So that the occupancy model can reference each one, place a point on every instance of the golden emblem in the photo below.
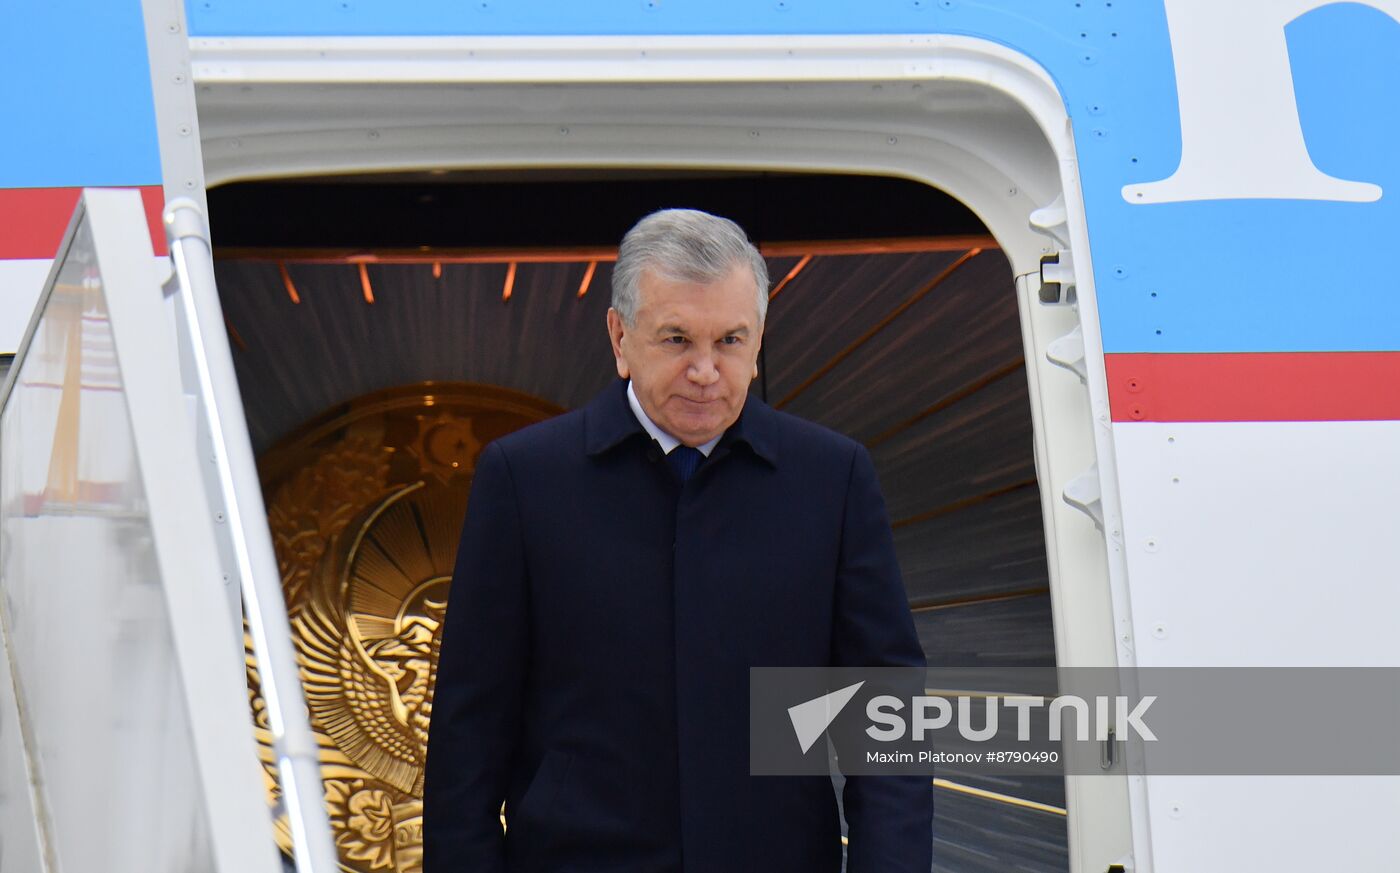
(365, 506)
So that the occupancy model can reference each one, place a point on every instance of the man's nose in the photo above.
(702, 369)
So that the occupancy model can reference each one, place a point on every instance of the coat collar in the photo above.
(608, 421)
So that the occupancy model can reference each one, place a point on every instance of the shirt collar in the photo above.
(609, 420)
(667, 441)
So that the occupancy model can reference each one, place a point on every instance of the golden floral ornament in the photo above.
(362, 820)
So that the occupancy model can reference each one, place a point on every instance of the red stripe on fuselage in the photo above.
(33, 220)
(1254, 386)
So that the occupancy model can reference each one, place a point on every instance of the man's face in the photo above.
(691, 353)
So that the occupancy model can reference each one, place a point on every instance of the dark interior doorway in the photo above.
(893, 319)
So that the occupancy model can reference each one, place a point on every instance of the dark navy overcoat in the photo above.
(602, 620)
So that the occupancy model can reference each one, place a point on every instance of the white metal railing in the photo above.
(125, 732)
(237, 503)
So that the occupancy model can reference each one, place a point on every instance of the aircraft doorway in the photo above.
(379, 350)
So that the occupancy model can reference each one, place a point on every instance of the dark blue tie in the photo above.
(684, 460)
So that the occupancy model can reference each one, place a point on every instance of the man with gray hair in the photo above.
(622, 567)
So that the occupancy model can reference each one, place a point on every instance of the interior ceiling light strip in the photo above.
(935, 605)
(364, 283)
(234, 335)
(587, 278)
(998, 797)
(792, 274)
(510, 282)
(965, 502)
(287, 282)
(879, 326)
(1016, 366)
(564, 255)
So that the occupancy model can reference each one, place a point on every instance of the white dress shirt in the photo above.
(667, 441)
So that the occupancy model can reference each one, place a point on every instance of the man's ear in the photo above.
(615, 331)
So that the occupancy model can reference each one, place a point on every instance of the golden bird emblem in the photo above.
(365, 505)
(370, 636)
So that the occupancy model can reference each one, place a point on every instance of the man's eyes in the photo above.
(677, 339)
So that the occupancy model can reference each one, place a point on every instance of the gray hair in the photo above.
(684, 245)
